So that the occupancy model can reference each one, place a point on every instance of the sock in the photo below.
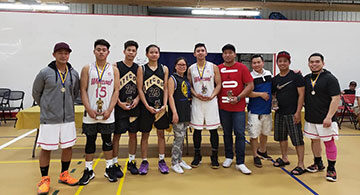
(115, 160)
(64, 166)
(131, 157)
(109, 163)
(89, 165)
(44, 171)
(317, 160)
(331, 150)
(161, 156)
(144, 159)
(331, 165)
(197, 139)
(214, 139)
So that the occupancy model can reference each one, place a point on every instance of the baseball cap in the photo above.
(62, 45)
(284, 54)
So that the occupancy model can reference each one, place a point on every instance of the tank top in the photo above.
(182, 96)
(153, 85)
(203, 84)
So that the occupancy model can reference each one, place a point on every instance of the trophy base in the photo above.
(99, 117)
(157, 110)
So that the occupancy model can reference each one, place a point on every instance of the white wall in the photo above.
(27, 40)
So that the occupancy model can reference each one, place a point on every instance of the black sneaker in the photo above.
(118, 171)
(110, 173)
(197, 160)
(264, 155)
(331, 175)
(87, 176)
(131, 166)
(316, 167)
(257, 162)
(214, 162)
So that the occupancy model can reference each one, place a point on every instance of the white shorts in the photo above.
(317, 131)
(205, 114)
(257, 127)
(51, 135)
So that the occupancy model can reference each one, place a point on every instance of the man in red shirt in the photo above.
(237, 83)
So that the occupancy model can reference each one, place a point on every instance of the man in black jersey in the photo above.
(127, 109)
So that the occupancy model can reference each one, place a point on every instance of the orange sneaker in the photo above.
(67, 179)
(44, 185)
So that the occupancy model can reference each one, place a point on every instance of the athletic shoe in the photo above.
(316, 167)
(214, 162)
(131, 166)
(197, 161)
(87, 176)
(177, 168)
(118, 171)
(257, 162)
(144, 167)
(163, 168)
(110, 174)
(331, 175)
(264, 155)
(65, 178)
(43, 185)
(227, 163)
(184, 165)
(243, 169)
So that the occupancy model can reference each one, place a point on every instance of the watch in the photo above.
(238, 98)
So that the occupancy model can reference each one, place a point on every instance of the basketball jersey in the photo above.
(104, 92)
(128, 89)
(153, 85)
(182, 95)
(203, 85)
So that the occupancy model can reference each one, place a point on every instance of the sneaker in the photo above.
(43, 185)
(257, 162)
(131, 166)
(65, 178)
(118, 171)
(163, 168)
(331, 175)
(264, 155)
(243, 169)
(184, 165)
(214, 162)
(144, 167)
(110, 173)
(87, 176)
(315, 167)
(177, 168)
(197, 161)
(227, 163)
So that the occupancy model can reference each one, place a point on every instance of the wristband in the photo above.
(238, 98)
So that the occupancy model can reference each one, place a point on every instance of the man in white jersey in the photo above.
(205, 81)
(99, 86)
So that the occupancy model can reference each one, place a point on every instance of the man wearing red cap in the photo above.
(55, 88)
(288, 88)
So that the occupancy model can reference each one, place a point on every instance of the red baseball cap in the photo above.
(62, 45)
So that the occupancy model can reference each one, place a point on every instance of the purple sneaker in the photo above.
(144, 167)
(163, 168)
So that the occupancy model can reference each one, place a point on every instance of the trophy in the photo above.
(204, 90)
(129, 101)
(230, 95)
(157, 105)
(275, 104)
(99, 104)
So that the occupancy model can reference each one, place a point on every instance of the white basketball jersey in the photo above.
(203, 85)
(104, 92)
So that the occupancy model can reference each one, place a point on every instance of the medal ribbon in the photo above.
(202, 72)
(313, 83)
(100, 74)
(63, 78)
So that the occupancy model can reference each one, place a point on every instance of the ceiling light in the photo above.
(41, 7)
(230, 12)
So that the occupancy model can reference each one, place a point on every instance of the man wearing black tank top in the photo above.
(127, 109)
(152, 81)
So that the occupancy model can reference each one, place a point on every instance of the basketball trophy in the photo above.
(99, 104)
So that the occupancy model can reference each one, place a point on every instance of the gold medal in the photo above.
(63, 89)
(312, 92)
(99, 85)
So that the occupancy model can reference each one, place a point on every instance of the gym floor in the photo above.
(20, 172)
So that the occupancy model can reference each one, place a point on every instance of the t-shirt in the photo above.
(285, 89)
(233, 79)
(317, 106)
(262, 83)
(349, 91)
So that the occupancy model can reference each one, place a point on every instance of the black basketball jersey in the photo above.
(128, 90)
(182, 96)
(154, 85)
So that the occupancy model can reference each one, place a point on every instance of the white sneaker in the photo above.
(177, 168)
(243, 169)
(227, 163)
(184, 165)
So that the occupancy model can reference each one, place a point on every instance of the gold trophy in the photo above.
(99, 104)
(275, 104)
(129, 101)
(204, 90)
(230, 95)
(157, 105)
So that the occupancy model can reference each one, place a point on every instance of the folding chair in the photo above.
(4, 92)
(346, 110)
(14, 102)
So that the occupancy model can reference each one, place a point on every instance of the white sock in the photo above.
(89, 165)
(109, 163)
(161, 156)
(131, 157)
(115, 160)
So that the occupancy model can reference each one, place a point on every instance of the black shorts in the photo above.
(102, 128)
(284, 126)
(123, 124)
(147, 119)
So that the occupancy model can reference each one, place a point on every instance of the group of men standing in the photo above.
(127, 97)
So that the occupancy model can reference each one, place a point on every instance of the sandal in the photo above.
(280, 162)
(299, 171)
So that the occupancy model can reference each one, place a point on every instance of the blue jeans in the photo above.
(236, 121)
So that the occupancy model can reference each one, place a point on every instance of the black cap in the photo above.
(62, 45)
(353, 83)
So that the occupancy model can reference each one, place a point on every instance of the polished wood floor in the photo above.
(20, 172)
